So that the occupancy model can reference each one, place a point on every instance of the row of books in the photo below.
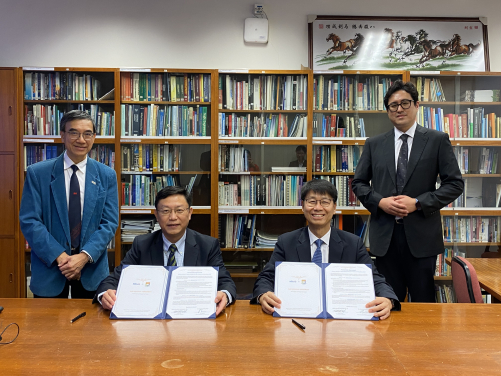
(154, 120)
(45, 120)
(155, 158)
(60, 86)
(264, 92)
(429, 89)
(345, 195)
(234, 158)
(476, 160)
(266, 190)
(272, 125)
(442, 269)
(166, 87)
(471, 229)
(38, 153)
(336, 158)
(141, 190)
(238, 231)
(334, 126)
(130, 228)
(340, 93)
(473, 123)
(445, 294)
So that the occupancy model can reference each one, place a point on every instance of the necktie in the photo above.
(172, 258)
(402, 163)
(75, 211)
(317, 256)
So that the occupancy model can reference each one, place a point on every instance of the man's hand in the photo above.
(394, 207)
(62, 258)
(221, 301)
(72, 266)
(108, 299)
(408, 202)
(381, 307)
(268, 302)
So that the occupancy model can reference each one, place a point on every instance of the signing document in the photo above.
(166, 292)
(336, 291)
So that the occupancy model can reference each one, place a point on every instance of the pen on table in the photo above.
(298, 324)
(79, 316)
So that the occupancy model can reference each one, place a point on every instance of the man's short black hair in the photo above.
(400, 85)
(320, 186)
(301, 147)
(171, 191)
(76, 115)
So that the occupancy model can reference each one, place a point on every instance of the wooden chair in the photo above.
(465, 281)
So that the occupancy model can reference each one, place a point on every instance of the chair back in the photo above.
(465, 281)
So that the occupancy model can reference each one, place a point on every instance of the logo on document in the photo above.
(147, 284)
(303, 281)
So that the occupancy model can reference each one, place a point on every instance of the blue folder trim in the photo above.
(213, 316)
(112, 315)
(275, 314)
(164, 310)
(374, 318)
(369, 266)
(323, 314)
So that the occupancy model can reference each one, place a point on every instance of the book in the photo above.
(162, 292)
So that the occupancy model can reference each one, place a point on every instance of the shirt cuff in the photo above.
(88, 255)
(228, 295)
(99, 297)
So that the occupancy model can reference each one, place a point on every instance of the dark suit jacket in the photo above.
(343, 248)
(44, 222)
(375, 178)
(296, 163)
(199, 250)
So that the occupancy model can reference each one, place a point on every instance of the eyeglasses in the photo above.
(311, 203)
(405, 104)
(167, 212)
(74, 135)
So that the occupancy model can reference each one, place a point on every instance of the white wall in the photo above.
(192, 33)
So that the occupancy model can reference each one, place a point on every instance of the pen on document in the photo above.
(298, 324)
(79, 316)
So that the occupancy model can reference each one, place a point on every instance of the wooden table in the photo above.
(489, 275)
(423, 339)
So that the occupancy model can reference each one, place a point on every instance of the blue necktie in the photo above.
(172, 258)
(75, 211)
(317, 256)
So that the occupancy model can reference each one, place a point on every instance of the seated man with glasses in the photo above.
(174, 245)
(319, 242)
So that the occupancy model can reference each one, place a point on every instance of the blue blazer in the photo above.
(45, 224)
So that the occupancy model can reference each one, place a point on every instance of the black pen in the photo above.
(298, 324)
(79, 316)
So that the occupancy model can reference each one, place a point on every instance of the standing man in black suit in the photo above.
(173, 245)
(319, 242)
(396, 181)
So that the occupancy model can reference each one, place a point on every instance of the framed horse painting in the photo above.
(397, 43)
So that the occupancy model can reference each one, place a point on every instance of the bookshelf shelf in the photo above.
(243, 275)
(247, 249)
(262, 141)
(471, 244)
(259, 210)
(168, 103)
(165, 172)
(125, 210)
(349, 112)
(59, 101)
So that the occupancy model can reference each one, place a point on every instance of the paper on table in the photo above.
(141, 292)
(299, 286)
(348, 288)
(192, 292)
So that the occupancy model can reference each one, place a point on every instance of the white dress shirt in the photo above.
(324, 247)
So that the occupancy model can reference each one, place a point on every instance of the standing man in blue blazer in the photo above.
(69, 214)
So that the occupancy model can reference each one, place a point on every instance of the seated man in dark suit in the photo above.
(301, 157)
(173, 245)
(336, 246)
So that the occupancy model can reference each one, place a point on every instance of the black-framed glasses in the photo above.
(405, 104)
(311, 203)
(167, 212)
(74, 135)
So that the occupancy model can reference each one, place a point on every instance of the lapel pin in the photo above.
(93, 182)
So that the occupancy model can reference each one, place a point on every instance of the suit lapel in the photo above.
(92, 188)
(58, 189)
(336, 247)
(418, 145)
(157, 252)
(389, 150)
(191, 250)
(303, 247)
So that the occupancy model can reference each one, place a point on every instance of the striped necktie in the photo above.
(172, 258)
(75, 211)
(317, 256)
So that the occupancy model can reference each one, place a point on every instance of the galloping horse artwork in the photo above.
(394, 45)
